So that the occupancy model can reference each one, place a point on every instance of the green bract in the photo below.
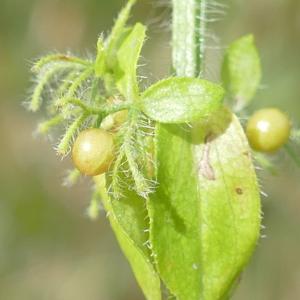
(241, 71)
(179, 100)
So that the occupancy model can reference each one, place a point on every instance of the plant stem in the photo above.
(189, 29)
(64, 145)
(94, 110)
(44, 127)
(59, 58)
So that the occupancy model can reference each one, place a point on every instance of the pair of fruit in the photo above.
(93, 151)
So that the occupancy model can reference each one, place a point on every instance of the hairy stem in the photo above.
(189, 37)
(36, 100)
(45, 126)
(64, 145)
(103, 110)
(59, 58)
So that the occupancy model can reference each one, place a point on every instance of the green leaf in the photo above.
(179, 100)
(241, 71)
(205, 214)
(106, 59)
(117, 33)
(128, 56)
(100, 63)
(128, 218)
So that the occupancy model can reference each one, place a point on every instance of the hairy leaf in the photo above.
(241, 71)
(205, 214)
(117, 33)
(106, 59)
(128, 56)
(100, 63)
(128, 218)
(179, 100)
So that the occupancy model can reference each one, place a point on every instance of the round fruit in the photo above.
(268, 129)
(93, 151)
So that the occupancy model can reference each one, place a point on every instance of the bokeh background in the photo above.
(49, 249)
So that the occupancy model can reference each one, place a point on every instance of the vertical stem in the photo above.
(189, 29)
(202, 36)
(188, 32)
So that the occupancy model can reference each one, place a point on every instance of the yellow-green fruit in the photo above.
(93, 151)
(268, 129)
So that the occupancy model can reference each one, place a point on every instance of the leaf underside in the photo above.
(205, 214)
(128, 218)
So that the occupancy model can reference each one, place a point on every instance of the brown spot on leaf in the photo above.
(239, 191)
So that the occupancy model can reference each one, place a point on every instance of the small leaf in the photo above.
(205, 213)
(128, 56)
(100, 63)
(106, 60)
(117, 34)
(241, 71)
(129, 220)
(179, 100)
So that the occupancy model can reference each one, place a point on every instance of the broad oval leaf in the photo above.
(205, 214)
(128, 218)
(179, 100)
(241, 71)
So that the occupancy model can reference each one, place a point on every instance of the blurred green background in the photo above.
(48, 247)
